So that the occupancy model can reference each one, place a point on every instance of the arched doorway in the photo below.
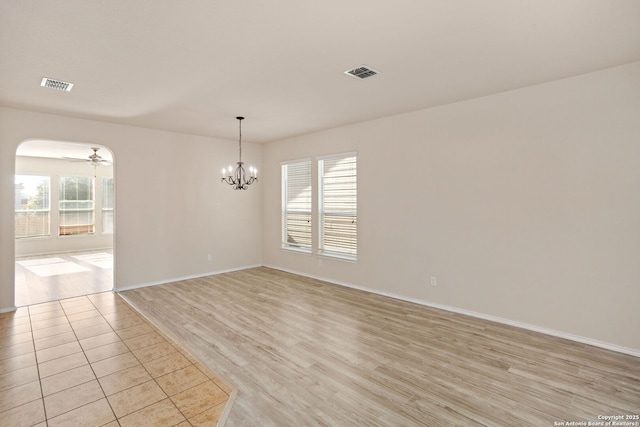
(64, 220)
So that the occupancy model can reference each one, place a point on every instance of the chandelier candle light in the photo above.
(238, 178)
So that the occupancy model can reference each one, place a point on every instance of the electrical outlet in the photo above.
(319, 262)
(209, 257)
(434, 282)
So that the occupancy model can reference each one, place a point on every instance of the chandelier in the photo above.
(238, 178)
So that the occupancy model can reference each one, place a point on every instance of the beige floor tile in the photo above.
(58, 351)
(62, 364)
(67, 379)
(11, 340)
(99, 340)
(163, 413)
(54, 340)
(89, 314)
(151, 352)
(48, 315)
(126, 323)
(75, 301)
(116, 311)
(16, 350)
(25, 415)
(142, 341)
(10, 323)
(81, 359)
(215, 378)
(14, 322)
(106, 351)
(17, 362)
(210, 417)
(18, 377)
(93, 331)
(181, 380)
(166, 364)
(72, 398)
(79, 308)
(114, 364)
(14, 330)
(103, 298)
(48, 323)
(53, 330)
(96, 414)
(88, 322)
(44, 307)
(134, 331)
(136, 398)
(124, 379)
(199, 399)
(20, 395)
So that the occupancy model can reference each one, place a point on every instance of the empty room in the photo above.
(408, 213)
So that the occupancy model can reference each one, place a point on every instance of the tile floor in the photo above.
(94, 361)
(52, 277)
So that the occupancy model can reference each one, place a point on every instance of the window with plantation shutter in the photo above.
(76, 206)
(296, 205)
(338, 205)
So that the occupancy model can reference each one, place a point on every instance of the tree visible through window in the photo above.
(76, 206)
(32, 206)
(338, 205)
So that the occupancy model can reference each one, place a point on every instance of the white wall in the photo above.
(54, 168)
(525, 205)
(171, 209)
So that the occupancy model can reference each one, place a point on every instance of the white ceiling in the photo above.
(192, 66)
(61, 150)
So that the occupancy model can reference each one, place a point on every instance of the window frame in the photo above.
(306, 248)
(325, 249)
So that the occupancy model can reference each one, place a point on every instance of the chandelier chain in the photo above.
(240, 140)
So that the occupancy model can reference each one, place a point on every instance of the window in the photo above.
(107, 205)
(32, 206)
(76, 206)
(338, 205)
(296, 205)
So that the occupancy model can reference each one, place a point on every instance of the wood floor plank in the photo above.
(306, 352)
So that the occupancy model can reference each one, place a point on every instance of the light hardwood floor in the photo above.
(308, 353)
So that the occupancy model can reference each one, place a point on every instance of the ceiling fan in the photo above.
(94, 159)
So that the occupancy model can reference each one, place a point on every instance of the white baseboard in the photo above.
(179, 279)
(535, 328)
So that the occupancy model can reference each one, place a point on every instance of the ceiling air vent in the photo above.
(361, 72)
(56, 84)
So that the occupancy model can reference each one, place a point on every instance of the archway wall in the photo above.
(173, 220)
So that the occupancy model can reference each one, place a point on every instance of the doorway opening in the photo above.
(64, 221)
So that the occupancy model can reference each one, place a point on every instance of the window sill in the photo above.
(339, 257)
(296, 250)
